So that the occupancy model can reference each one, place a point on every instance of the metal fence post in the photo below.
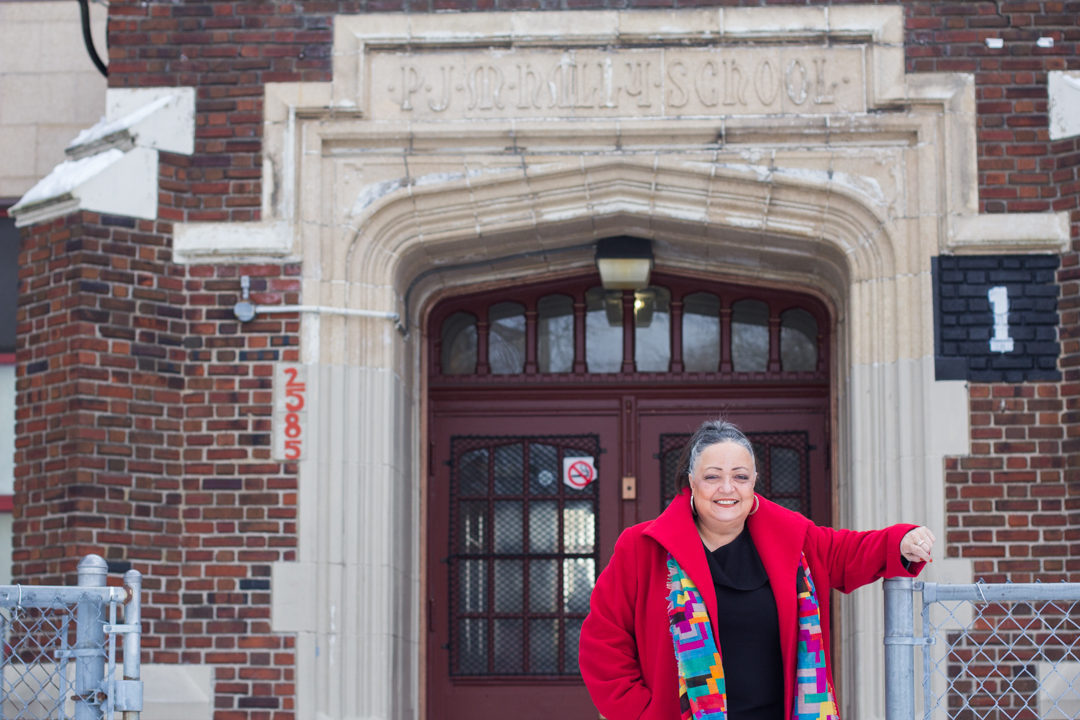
(899, 649)
(90, 640)
(133, 640)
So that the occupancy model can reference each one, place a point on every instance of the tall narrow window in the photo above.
(798, 341)
(750, 336)
(603, 330)
(459, 344)
(506, 338)
(555, 334)
(701, 332)
(652, 329)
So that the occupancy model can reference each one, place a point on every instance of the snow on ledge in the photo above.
(113, 166)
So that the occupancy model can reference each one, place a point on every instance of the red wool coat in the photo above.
(626, 654)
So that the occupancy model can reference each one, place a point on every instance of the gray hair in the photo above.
(711, 432)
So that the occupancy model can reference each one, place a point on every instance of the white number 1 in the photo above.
(999, 298)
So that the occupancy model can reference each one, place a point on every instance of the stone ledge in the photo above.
(229, 241)
(1009, 232)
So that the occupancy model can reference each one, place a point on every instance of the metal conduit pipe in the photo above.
(246, 310)
(84, 10)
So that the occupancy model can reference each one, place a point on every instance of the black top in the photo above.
(749, 631)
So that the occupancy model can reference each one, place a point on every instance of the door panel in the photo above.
(789, 449)
(513, 553)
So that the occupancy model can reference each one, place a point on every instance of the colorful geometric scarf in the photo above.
(702, 692)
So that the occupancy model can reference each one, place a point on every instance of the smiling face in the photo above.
(723, 485)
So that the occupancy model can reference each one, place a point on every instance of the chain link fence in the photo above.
(987, 652)
(59, 653)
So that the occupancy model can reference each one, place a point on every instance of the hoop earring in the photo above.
(757, 503)
(693, 508)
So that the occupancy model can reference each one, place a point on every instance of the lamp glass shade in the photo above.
(624, 273)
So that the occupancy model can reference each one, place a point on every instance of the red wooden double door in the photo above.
(534, 474)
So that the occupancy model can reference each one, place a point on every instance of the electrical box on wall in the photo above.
(996, 318)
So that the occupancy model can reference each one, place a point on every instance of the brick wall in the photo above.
(143, 434)
(1011, 503)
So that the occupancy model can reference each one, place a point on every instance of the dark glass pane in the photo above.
(472, 527)
(544, 526)
(571, 643)
(543, 469)
(543, 586)
(459, 344)
(555, 334)
(509, 469)
(603, 330)
(506, 338)
(509, 583)
(508, 529)
(508, 646)
(750, 336)
(701, 332)
(473, 473)
(544, 646)
(785, 470)
(472, 586)
(472, 646)
(671, 447)
(579, 576)
(579, 526)
(798, 341)
(652, 329)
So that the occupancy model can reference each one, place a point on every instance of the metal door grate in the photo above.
(782, 463)
(523, 554)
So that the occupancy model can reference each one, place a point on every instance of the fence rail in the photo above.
(58, 658)
(988, 652)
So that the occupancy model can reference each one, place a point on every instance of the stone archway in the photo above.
(389, 212)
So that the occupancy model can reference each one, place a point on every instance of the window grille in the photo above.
(523, 557)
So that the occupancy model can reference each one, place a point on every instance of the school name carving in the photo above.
(615, 83)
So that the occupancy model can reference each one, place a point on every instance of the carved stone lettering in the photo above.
(446, 72)
(824, 93)
(734, 83)
(677, 95)
(411, 82)
(529, 87)
(705, 84)
(562, 84)
(604, 82)
(798, 84)
(485, 84)
(638, 85)
(766, 83)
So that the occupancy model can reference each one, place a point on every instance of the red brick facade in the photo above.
(143, 426)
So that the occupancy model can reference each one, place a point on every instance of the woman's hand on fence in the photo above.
(917, 544)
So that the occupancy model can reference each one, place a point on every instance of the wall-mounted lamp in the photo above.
(624, 262)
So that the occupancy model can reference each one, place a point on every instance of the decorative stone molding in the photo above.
(113, 166)
(1063, 88)
(1010, 232)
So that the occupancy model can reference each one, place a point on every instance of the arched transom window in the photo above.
(675, 329)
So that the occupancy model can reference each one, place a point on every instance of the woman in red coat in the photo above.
(719, 608)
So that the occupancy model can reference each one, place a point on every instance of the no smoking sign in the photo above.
(578, 472)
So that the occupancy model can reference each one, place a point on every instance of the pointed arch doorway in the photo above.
(557, 412)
